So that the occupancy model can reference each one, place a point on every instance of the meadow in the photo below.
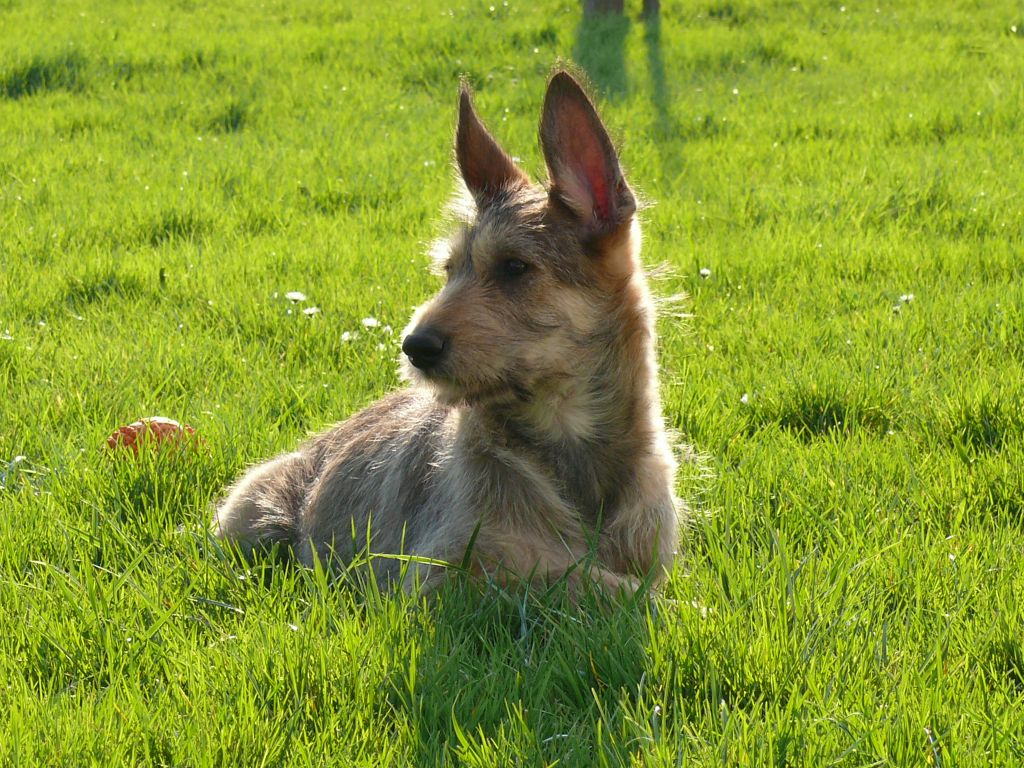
(837, 189)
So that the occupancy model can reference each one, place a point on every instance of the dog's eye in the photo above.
(515, 267)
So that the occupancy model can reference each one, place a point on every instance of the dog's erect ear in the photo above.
(485, 166)
(581, 160)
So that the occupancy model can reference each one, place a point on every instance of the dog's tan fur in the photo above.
(536, 444)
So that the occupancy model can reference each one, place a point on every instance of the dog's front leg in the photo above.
(516, 557)
(616, 584)
(642, 539)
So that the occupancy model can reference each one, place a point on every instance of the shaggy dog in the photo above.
(530, 444)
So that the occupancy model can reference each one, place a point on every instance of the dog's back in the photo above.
(535, 432)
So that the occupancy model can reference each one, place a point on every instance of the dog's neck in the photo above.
(593, 432)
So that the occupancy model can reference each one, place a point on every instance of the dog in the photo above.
(530, 445)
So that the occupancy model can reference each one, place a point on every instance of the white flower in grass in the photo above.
(745, 399)
(905, 298)
(311, 311)
(295, 296)
(370, 322)
(705, 273)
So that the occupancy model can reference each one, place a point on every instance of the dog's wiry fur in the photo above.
(535, 441)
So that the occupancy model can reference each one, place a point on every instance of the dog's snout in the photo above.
(424, 348)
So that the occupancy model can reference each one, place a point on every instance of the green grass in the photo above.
(849, 591)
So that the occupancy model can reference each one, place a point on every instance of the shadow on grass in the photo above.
(98, 286)
(601, 50)
(656, 69)
(666, 131)
(981, 424)
(811, 414)
(493, 675)
(62, 72)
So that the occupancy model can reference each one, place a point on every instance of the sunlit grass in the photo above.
(837, 188)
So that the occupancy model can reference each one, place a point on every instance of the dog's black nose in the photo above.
(424, 348)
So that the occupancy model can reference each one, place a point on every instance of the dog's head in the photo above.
(536, 275)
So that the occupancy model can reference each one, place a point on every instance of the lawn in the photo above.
(836, 188)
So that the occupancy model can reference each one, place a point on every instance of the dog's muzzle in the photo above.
(425, 348)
